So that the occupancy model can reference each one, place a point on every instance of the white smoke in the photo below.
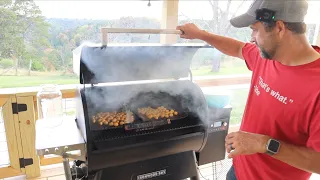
(135, 63)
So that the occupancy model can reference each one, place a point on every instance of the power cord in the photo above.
(78, 167)
(201, 174)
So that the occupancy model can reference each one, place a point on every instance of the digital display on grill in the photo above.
(146, 125)
(217, 124)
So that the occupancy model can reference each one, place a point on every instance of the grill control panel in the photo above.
(217, 126)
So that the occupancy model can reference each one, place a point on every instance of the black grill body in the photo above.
(173, 167)
(113, 83)
(117, 146)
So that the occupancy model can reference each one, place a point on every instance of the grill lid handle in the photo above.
(105, 31)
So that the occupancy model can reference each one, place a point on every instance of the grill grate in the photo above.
(138, 119)
(119, 133)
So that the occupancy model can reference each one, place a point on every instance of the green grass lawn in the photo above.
(27, 81)
(238, 102)
(206, 71)
(38, 78)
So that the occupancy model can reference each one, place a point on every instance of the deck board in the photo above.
(56, 172)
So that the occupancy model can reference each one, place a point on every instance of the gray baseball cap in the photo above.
(285, 10)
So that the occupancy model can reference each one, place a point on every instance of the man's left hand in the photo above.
(244, 143)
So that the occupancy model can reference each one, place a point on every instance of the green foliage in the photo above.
(5, 3)
(37, 66)
(25, 35)
(6, 63)
(11, 42)
(55, 59)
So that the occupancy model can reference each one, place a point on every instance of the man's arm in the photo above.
(245, 143)
(300, 157)
(226, 45)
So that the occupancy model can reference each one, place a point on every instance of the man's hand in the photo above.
(244, 143)
(191, 31)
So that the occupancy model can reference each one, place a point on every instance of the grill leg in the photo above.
(66, 167)
(197, 177)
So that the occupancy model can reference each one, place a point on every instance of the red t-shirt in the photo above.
(284, 103)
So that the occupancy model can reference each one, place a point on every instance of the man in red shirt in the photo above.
(279, 137)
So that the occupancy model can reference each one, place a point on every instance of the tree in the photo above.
(219, 24)
(63, 48)
(11, 41)
(25, 31)
(33, 28)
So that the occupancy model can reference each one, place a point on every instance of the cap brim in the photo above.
(243, 20)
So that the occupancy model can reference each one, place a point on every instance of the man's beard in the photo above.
(264, 53)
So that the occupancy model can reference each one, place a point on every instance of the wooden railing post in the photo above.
(28, 134)
(11, 125)
(19, 118)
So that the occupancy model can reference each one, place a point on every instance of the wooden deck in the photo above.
(55, 172)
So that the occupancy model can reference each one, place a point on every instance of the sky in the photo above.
(108, 9)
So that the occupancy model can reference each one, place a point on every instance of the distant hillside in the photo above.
(70, 24)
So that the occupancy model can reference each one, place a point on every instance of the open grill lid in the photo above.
(134, 62)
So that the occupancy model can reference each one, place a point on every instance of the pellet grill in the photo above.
(140, 114)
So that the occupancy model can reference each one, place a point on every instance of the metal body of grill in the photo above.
(145, 139)
(114, 78)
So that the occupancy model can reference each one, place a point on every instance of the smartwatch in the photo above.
(272, 147)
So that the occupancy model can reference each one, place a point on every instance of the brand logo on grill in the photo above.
(152, 174)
